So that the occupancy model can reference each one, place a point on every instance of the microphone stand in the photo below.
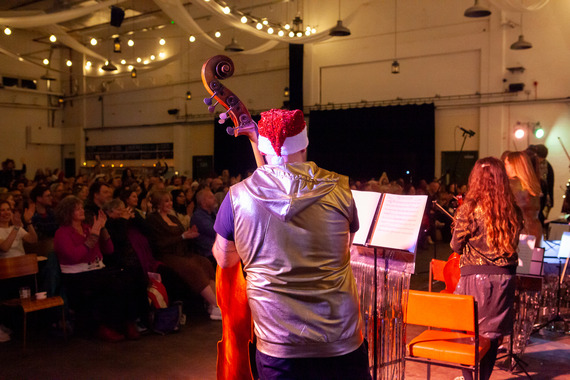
(454, 173)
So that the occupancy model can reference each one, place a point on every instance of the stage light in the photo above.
(519, 132)
(538, 131)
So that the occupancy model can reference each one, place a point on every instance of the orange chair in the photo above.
(27, 265)
(462, 348)
(436, 271)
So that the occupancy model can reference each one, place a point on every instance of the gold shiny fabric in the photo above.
(292, 234)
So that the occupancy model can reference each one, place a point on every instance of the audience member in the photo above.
(204, 218)
(546, 177)
(179, 208)
(9, 174)
(169, 239)
(106, 292)
(14, 231)
(99, 194)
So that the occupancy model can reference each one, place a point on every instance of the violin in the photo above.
(235, 347)
(451, 271)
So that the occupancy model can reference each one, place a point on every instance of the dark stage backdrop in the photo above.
(364, 142)
(358, 142)
(232, 153)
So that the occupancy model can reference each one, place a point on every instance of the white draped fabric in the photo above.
(69, 41)
(39, 20)
(519, 5)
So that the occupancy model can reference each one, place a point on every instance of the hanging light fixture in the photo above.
(339, 30)
(117, 45)
(286, 92)
(188, 95)
(133, 73)
(477, 11)
(234, 46)
(395, 65)
(521, 44)
(108, 66)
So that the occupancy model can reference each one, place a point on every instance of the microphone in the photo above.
(467, 131)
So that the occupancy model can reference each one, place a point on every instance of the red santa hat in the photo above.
(282, 132)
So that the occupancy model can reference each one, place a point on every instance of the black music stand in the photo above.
(557, 317)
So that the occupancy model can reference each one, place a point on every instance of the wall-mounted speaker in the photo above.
(515, 87)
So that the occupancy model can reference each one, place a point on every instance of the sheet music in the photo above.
(399, 222)
(564, 250)
(366, 204)
(526, 246)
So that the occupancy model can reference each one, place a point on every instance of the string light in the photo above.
(162, 42)
(130, 67)
(7, 31)
(192, 38)
(287, 26)
(152, 57)
(270, 30)
(52, 38)
(93, 41)
(123, 62)
(139, 59)
(226, 10)
(281, 33)
(291, 34)
(259, 26)
(46, 61)
(68, 63)
(218, 34)
(131, 43)
(243, 19)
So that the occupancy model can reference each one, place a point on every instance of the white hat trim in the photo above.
(291, 144)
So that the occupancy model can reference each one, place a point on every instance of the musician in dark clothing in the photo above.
(486, 235)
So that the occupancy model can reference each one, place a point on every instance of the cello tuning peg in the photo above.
(221, 121)
(211, 108)
(224, 115)
(230, 130)
(208, 101)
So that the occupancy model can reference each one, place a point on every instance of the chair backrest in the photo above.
(441, 310)
(11, 267)
(436, 271)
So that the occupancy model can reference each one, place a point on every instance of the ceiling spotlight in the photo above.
(130, 67)
(299, 34)
(259, 26)
(162, 54)
(162, 42)
(291, 34)
(477, 11)
(117, 45)
(234, 46)
(152, 57)
(265, 22)
(395, 67)
(123, 62)
(131, 43)
(93, 41)
(287, 26)
(270, 30)
(243, 19)
(521, 44)
(46, 61)
(139, 59)
(68, 63)
(192, 39)
(7, 31)
(108, 66)
(217, 34)
(226, 10)
(281, 33)
(52, 38)
(88, 64)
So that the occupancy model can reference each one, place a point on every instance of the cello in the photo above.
(235, 347)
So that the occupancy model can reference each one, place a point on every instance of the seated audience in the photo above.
(169, 239)
(179, 207)
(204, 218)
(106, 292)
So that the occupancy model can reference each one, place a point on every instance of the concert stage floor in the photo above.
(191, 353)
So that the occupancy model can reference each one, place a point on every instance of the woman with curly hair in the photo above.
(525, 186)
(486, 234)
